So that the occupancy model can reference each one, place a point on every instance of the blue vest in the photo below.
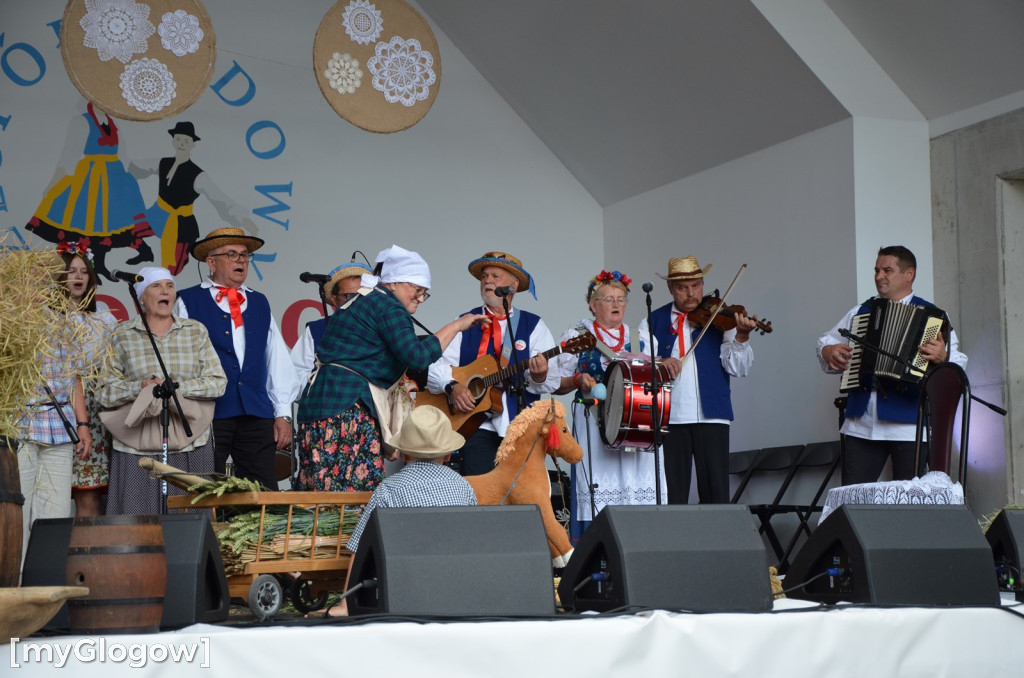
(316, 331)
(712, 379)
(246, 392)
(471, 345)
(897, 400)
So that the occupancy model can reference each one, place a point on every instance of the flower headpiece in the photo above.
(80, 248)
(606, 278)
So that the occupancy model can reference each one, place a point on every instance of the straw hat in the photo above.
(219, 237)
(349, 270)
(685, 268)
(427, 434)
(507, 262)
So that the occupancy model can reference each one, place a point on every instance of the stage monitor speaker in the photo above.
(46, 559)
(197, 587)
(896, 555)
(1006, 538)
(699, 558)
(454, 560)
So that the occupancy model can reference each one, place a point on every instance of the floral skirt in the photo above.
(341, 453)
(93, 473)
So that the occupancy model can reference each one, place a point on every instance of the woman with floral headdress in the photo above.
(89, 475)
(616, 476)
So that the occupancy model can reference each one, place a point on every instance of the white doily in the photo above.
(147, 85)
(117, 29)
(343, 73)
(180, 33)
(931, 488)
(402, 70)
(362, 22)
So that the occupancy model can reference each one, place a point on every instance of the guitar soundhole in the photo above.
(477, 388)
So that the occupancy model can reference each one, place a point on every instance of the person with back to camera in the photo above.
(426, 443)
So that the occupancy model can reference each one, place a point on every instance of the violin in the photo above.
(725, 320)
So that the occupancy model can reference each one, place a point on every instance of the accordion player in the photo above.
(886, 342)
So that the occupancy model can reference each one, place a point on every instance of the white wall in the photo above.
(787, 212)
(469, 177)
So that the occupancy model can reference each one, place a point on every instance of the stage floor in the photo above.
(796, 639)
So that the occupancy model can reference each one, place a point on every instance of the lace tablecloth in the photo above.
(932, 488)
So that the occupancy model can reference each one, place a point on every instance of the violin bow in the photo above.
(721, 305)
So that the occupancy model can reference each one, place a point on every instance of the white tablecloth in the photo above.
(932, 488)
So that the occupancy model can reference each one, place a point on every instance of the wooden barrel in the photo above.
(11, 501)
(121, 560)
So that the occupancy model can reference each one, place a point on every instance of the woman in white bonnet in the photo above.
(373, 339)
(191, 362)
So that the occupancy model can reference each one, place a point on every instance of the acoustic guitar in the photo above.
(481, 375)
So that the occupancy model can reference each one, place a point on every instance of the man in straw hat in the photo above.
(253, 417)
(344, 281)
(875, 428)
(499, 274)
(700, 406)
(426, 442)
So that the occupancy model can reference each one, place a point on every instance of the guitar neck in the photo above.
(509, 372)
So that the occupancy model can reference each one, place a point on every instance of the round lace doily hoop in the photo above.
(148, 96)
(368, 107)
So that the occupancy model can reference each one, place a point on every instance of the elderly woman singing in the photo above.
(191, 362)
(372, 340)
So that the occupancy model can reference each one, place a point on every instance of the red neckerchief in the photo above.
(235, 299)
(678, 331)
(491, 335)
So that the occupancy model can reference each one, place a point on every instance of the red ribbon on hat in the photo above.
(235, 299)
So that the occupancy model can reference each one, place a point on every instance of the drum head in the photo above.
(610, 412)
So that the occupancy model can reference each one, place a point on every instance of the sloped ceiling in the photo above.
(634, 95)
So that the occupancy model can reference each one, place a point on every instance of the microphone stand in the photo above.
(323, 299)
(655, 389)
(591, 485)
(519, 380)
(166, 392)
(72, 431)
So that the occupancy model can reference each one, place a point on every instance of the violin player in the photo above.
(701, 406)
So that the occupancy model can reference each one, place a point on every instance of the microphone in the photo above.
(587, 401)
(503, 291)
(127, 277)
(648, 286)
(314, 277)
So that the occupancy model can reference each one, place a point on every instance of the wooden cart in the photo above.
(264, 582)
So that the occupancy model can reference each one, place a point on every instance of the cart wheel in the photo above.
(300, 592)
(265, 596)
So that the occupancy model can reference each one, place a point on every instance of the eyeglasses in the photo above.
(617, 301)
(234, 255)
(421, 293)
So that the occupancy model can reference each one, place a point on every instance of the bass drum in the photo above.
(625, 417)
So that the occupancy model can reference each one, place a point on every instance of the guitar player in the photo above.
(501, 276)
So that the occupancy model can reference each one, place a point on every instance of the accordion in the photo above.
(898, 329)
